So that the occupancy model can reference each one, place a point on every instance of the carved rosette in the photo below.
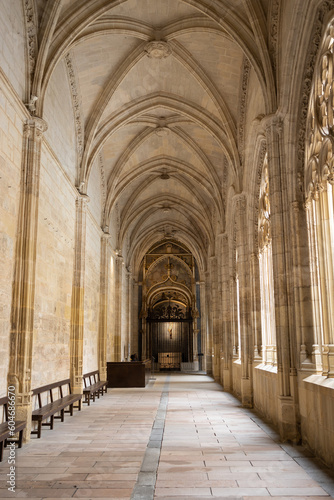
(319, 160)
(264, 230)
(158, 50)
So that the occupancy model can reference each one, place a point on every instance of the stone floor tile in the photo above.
(240, 492)
(295, 492)
(177, 492)
(103, 493)
(211, 447)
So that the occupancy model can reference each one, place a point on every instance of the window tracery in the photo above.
(319, 181)
(266, 271)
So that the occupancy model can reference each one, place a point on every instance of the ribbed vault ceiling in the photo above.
(159, 84)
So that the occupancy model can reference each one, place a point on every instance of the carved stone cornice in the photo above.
(76, 106)
(31, 33)
(273, 38)
(242, 107)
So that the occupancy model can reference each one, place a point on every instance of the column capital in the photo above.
(35, 125)
(272, 122)
(82, 199)
(105, 235)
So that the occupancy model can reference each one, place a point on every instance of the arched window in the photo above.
(266, 272)
(319, 181)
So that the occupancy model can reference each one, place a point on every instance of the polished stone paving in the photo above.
(180, 438)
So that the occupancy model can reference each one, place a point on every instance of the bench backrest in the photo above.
(4, 403)
(48, 389)
(91, 378)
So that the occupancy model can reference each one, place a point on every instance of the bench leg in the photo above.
(1, 451)
(51, 421)
(20, 439)
(80, 401)
(39, 429)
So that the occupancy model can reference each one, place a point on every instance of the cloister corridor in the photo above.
(181, 437)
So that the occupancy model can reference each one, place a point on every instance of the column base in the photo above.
(287, 420)
(23, 413)
(227, 380)
(246, 393)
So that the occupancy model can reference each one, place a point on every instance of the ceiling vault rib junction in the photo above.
(159, 101)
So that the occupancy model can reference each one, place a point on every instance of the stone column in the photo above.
(280, 235)
(256, 308)
(214, 319)
(23, 295)
(209, 325)
(203, 325)
(226, 313)
(104, 297)
(129, 346)
(315, 288)
(134, 317)
(78, 289)
(243, 269)
(118, 307)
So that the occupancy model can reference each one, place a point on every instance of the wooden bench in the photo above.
(53, 405)
(6, 431)
(93, 386)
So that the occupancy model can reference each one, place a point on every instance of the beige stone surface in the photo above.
(162, 114)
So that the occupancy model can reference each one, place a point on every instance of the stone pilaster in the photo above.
(255, 308)
(118, 308)
(78, 288)
(214, 319)
(280, 231)
(23, 299)
(244, 303)
(315, 288)
(204, 322)
(104, 295)
(134, 317)
(226, 313)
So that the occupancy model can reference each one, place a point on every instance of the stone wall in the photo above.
(92, 295)
(54, 274)
(236, 378)
(13, 45)
(316, 399)
(265, 392)
(59, 116)
(11, 127)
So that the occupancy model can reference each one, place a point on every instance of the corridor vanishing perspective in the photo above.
(179, 438)
(167, 205)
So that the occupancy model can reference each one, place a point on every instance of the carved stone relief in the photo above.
(76, 106)
(158, 49)
(31, 30)
(264, 230)
(325, 7)
(242, 107)
(319, 164)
